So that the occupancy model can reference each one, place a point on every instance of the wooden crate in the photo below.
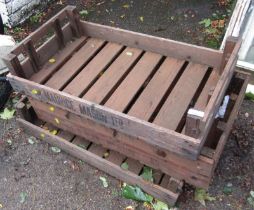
(126, 91)
(164, 187)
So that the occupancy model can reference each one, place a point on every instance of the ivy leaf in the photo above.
(147, 174)
(135, 193)
(7, 114)
(159, 205)
(125, 166)
(104, 181)
(23, 196)
(250, 199)
(201, 195)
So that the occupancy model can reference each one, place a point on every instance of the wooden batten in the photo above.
(73, 16)
(59, 33)
(193, 126)
(13, 64)
(32, 54)
(228, 49)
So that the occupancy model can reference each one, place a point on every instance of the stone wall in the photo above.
(16, 11)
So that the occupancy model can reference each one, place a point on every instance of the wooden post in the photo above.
(13, 64)
(59, 33)
(229, 47)
(74, 20)
(32, 54)
(193, 125)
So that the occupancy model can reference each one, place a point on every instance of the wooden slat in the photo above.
(115, 157)
(49, 68)
(134, 166)
(97, 149)
(114, 74)
(81, 142)
(73, 66)
(123, 95)
(147, 102)
(154, 44)
(178, 101)
(93, 70)
(100, 163)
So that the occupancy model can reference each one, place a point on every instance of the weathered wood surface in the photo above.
(195, 172)
(155, 135)
(218, 94)
(102, 164)
(158, 45)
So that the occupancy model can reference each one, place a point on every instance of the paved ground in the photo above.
(58, 181)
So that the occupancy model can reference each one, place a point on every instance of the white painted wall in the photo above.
(15, 12)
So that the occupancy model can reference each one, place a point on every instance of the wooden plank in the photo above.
(92, 71)
(97, 149)
(127, 90)
(115, 157)
(147, 102)
(150, 43)
(195, 172)
(162, 138)
(178, 101)
(134, 166)
(75, 63)
(81, 142)
(100, 163)
(49, 68)
(230, 121)
(219, 93)
(113, 76)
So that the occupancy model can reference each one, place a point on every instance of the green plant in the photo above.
(17, 29)
(35, 18)
(83, 13)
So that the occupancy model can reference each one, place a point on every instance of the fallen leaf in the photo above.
(125, 166)
(9, 142)
(106, 154)
(141, 18)
(7, 114)
(159, 205)
(126, 6)
(51, 108)
(42, 135)
(23, 196)
(228, 189)
(34, 92)
(1, 205)
(122, 16)
(135, 193)
(250, 199)
(57, 121)
(53, 132)
(201, 195)
(31, 140)
(129, 208)
(55, 149)
(104, 181)
(129, 53)
(52, 60)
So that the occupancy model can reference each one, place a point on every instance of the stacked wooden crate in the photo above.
(143, 99)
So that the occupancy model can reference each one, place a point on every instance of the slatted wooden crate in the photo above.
(164, 187)
(126, 91)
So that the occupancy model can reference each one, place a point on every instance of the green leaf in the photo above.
(252, 194)
(55, 149)
(207, 22)
(23, 196)
(201, 195)
(31, 140)
(249, 96)
(159, 205)
(104, 181)
(228, 189)
(251, 201)
(83, 13)
(7, 114)
(147, 174)
(125, 166)
(135, 193)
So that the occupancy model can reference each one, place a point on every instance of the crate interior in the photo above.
(142, 84)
